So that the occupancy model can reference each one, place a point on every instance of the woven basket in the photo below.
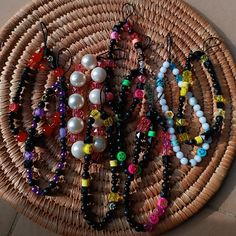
(84, 26)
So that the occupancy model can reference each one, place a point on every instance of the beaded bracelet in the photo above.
(40, 60)
(59, 87)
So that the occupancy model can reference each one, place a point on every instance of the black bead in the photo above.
(32, 182)
(59, 172)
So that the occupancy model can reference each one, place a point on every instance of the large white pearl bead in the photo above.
(96, 95)
(75, 125)
(98, 74)
(77, 79)
(77, 149)
(76, 101)
(89, 61)
(99, 144)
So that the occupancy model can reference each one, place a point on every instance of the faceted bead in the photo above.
(58, 72)
(14, 107)
(21, 137)
(183, 137)
(143, 125)
(114, 197)
(47, 130)
(56, 119)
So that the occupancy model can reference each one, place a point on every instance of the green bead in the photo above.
(121, 156)
(139, 169)
(151, 133)
(126, 82)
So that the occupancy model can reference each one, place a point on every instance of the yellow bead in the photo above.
(169, 114)
(88, 148)
(114, 197)
(85, 182)
(108, 122)
(198, 140)
(220, 112)
(187, 76)
(204, 58)
(219, 98)
(185, 85)
(183, 91)
(113, 163)
(180, 122)
(183, 137)
(95, 114)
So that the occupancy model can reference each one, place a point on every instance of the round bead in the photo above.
(77, 79)
(47, 130)
(201, 152)
(170, 122)
(75, 125)
(197, 158)
(175, 71)
(180, 84)
(184, 161)
(153, 218)
(202, 120)
(160, 75)
(133, 169)
(176, 149)
(189, 95)
(205, 126)
(206, 146)
(99, 144)
(162, 203)
(193, 162)
(163, 70)
(96, 95)
(89, 61)
(88, 148)
(159, 89)
(199, 113)
(21, 137)
(196, 107)
(98, 74)
(171, 130)
(76, 101)
(14, 107)
(121, 156)
(77, 149)
(166, 64)
(162, 102)
(138, 93)
(179, 155)
(192, 101)
(165, 108)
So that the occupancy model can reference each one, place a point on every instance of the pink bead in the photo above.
(142, 78)
(138, 93)
(109, 96)
(115, 35)
(133, 169)
(136, 40)
(134, 36)
(159, 211)
(153, 218)
(162, 203)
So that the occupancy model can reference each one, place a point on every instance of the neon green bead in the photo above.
(126, 82)
(151, 133)
(121, 156)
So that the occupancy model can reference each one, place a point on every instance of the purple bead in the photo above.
(63, 154)
(28, 155)
(55, 178)
(34, 189)
(62, 110)
(62, 132)
(29, 176)
(39, 112)
(34, 125)
(61, 105)
(39, 192)
(60, 165)
(61, 93)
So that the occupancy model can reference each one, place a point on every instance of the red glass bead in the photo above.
(35, 59)
(109, 96)
(58, 72)
(127, 27)
(138, 93)
(134, 36)
(47, 130)
(14, 107)
(56, 119)
(21, 137)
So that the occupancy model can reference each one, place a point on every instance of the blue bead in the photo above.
(172, 66)
(179, 78)
(201, 152)
(174, 143)
(160, 82)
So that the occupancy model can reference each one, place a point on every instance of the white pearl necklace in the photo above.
(76, 101)
(201, 151)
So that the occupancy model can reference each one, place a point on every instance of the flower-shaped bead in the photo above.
(162, 203)
(153, 218)
(133, 169)
(201, 152)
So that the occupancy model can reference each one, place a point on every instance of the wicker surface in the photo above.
(84, 26)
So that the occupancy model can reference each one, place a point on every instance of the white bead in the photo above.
(77, 79)
(75, 125)
(189, 94)
(165, 108)
(202, 119)
(76, 101)
(171, 130)
(173, 137)
(193, 162)
(184, 161)
(89, 61)
(206, 146)
(180, 84)
(175, 71)
(159, 89)
(96, 95)
(205, 126)
(192, 101)
(98, 74)
(162, 102)
(77, 149)
(179, 155)
(197, 158)
(166, 64)
(196, 107)
(176, 149)
(170, 122)
(98, 123)
(99, 144)
(160, 75)
(199, 113)
(163, 70)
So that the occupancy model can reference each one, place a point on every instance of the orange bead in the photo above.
(22, 136)
(47, 130)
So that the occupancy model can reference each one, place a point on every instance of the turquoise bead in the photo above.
(160, 82)
(174, 143)
(179, 78)
(201, 152)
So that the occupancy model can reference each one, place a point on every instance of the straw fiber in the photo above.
(84, 27)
